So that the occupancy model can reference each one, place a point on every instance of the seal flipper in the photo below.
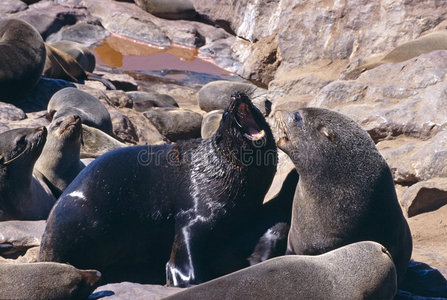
(179, 268)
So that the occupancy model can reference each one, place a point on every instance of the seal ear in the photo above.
(327, 132)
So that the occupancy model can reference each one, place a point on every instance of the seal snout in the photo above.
(71, 125)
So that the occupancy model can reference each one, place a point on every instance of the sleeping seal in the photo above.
(345, 192)
(183, 203)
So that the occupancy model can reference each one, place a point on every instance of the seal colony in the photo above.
(345, 192)
(177, 200)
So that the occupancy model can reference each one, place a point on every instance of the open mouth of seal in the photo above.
(245, 120)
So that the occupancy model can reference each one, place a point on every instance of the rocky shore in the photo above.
(382, 63)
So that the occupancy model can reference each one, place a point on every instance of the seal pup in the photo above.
(345, 191)
(60, 161)
(181, 202)
(23, 196)
(22, 56)
(71, 101)
(362, 270)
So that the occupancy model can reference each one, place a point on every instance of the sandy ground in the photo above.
(429, 231)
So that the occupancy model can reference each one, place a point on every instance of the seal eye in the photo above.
(297, 118)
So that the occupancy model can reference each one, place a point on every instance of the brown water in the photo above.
(133, 55)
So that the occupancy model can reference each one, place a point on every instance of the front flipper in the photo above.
(180, 267)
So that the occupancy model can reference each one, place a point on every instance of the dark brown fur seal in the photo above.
(22, 57)
(60, 161)
(180, 203)
(22, 195)
(345, 192)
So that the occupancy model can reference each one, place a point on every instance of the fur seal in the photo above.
(22, 56)
(183, 203)
(46, 281)
(345, 192)
(60, 161)
(85, 58)
(436, 40)
(363, 270)
(71, 101)
(23, 195)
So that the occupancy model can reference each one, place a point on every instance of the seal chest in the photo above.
(185, 203)
(345, 191)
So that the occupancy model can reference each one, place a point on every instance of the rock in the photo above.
(175, 123)
(210, 123)
(96, 142)
(125, 20)
(356, 271)
(130, 290)
(123, 127)
(410, 102)
(49, 17)
(216, 95)
(81, 32)
(18, 236)
(429, 231)
(169, 9)
(12, 6)
(263, 59)
(10, 112)
(46, 281)
(412, 160)
(425, 196)
(143, 101)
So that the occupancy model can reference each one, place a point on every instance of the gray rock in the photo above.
(18, 236)
(81, 32)
(210, 123)
(49, 17)
(9, 112)
(169, 9)
(425, 196)
(125, 20)
(175, 123)
(130, 290)
(412, 160)
(123, 127)
(143, 101)
(216, 95)
(12, 6)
